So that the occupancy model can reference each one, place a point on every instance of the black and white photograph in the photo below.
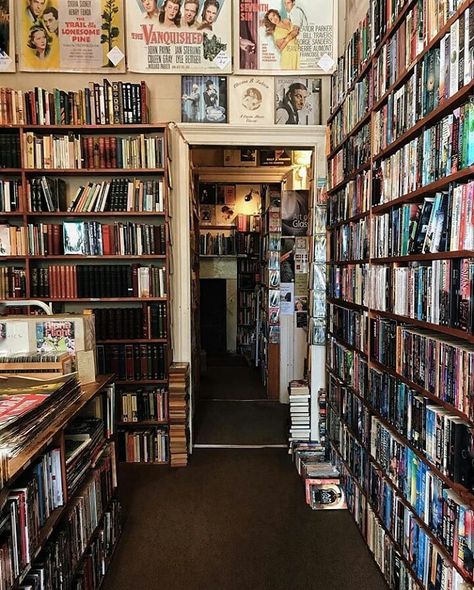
(204, 99)
(297, 101)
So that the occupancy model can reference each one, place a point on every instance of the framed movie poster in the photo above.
(287, 36)
(171, 36)
(7, 40)
(204, 99)
(297, 101)
(71, 35)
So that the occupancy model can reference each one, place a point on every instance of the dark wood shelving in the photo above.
(92, 171)
(421, 257)
(152, 127)
(347, 262)
(349, 304)
(435, 327)
(133, 341)
(87, 257)
(419, 194)
(95, 214)
(141, 382)
(214, 227)
(141, 423)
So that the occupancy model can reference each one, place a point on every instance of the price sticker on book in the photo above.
(115, 55)
(326, 63)
(222, 60)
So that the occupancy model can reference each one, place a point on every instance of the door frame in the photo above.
(181, 137)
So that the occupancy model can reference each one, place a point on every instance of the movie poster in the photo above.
(7, 45)
(204, 99)
(71, 35)
(251, 100)
(169, 36)
(291, 36)
(297, 101)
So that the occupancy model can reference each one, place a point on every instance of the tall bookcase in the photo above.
(400, 288)
(118, 260)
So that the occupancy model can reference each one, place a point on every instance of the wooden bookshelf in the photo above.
(375, 379)
(73, 178)
(20, 473)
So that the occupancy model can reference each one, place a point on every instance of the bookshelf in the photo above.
(57, 534)
(400, 281)
(85, 224)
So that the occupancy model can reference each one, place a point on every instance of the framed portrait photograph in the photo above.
(297, 101)
(204, 99)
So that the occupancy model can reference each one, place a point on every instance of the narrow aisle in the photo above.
(233, 520)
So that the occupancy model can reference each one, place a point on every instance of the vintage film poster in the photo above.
(204, 99)
(297, 101)
(71, 35)
(291, 36)
(170, 36)
(7, 40)
(251, 100)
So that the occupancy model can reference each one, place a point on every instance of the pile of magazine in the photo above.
(27, 408)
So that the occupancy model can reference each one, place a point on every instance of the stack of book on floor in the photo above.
(305, 454)
(178, 413)
(324, 490)
(300, 428)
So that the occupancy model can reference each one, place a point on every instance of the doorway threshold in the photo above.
(222, 446)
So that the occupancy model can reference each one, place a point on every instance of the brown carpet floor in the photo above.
(233, 520)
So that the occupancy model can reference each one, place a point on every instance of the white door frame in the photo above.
(182, 136)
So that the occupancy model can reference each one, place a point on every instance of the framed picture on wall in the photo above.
(297, 101)
(285, 36)
(204, 99)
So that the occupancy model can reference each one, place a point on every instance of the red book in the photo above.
(113, 152)
(62, 282)
(89, 151)
(56, 247)
(102, 153)
(106, 240)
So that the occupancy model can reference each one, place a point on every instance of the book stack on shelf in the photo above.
(108, 103)
(179, 396)
(100, 186)
(400, 311)
(59, 516)
(300, 427)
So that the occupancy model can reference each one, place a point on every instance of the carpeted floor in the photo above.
(231, 382)
(241, 422)
(233, 520)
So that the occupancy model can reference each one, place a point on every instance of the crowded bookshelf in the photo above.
(400, 288)
(84, 198)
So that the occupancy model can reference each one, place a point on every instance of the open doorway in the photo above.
(243, 245)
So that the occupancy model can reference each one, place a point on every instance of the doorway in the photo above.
(183, 140)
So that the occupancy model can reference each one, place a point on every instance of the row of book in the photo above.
(350, 241)
(379, 18)
(354, 154)
(349, 283)
(354, 108)
(441, 150)
(445, 513)
(10, 150)
(88, 238)
(349, 325)
(97, 281)
(392, 531)
(443, 438)
(148, 404)
(351, 200)
(300, 424)
(47, 194)
(116, 323)
(74, 151)
(421, 24)
(10, 194)
(247, 243)
(144, 446)
(133, 362)
(218, 244)
(439, 292)
(109, 103)
(445, 69)
(442, 223)
(347, 364)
